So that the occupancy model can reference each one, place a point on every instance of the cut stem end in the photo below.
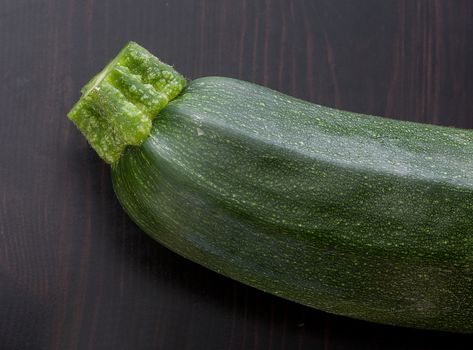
(118, 105)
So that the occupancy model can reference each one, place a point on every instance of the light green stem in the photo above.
(118, 105)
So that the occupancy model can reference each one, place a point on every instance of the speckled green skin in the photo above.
(351, 214)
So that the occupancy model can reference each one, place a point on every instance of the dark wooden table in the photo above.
(76, 273)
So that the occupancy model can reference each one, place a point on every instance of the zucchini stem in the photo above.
(118, 105)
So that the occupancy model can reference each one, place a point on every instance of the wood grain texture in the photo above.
(76, 273)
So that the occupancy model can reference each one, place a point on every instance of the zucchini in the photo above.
(351, 214)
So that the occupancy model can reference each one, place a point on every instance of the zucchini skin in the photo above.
(355, 215)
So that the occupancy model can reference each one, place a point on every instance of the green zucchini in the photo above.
(351, 214)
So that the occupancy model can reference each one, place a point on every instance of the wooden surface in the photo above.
(76, 273)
